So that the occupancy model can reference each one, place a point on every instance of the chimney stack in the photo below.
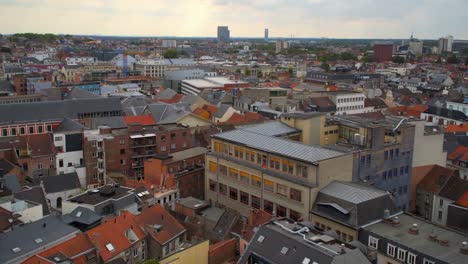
(464, 248)
(414, 230)
(386, 214)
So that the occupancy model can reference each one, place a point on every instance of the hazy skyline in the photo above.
(428, 19)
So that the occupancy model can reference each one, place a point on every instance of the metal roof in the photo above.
(279, 146)
(274, 129)
(352, 192)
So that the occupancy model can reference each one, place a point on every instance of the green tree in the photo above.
(398, 59)
(368, 58)
(290, 71)
(439, 60)
(150, 261)
(452, 59)
(247, 72)
(170, 54)
(259, 74)
(465, 50)
(348, 56)
(238, 70)
(325, 66)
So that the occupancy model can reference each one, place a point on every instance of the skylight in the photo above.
(261, 238)
(78, 214)
(306, 261)
(16, 249)
(110, 247)
(284, 250)
(38, 240)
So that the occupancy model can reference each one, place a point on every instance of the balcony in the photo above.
(142, 145)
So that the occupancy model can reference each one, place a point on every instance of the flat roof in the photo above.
(201, 83)
(449, 253)
(224, 80)
(188, 153)
(101, 194)
(279, 146)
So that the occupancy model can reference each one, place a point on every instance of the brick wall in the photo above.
(222, 251)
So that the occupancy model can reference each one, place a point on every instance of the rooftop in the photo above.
(450, 253)
(283, 241)
(101, 194)
(274, 129)
(279, 146)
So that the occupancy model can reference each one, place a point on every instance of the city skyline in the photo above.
(428, 19)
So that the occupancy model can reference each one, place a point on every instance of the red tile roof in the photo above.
(246, 118)
(210, 108)
(37, 260)
(175, 99)
(202, 113)
(463, 200)
(435, 178)
(157, 215)
(457, 128)
(413, 110)
(145, 120)
(460, 153)
(113, 231)
(72, 248)
(39, 144)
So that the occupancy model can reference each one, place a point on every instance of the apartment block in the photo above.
(246, 169)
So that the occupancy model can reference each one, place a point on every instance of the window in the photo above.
(122, 151)
(296, 216)
(268, 185)
(22, 131)
(212, 185)
(163, 138)
(39, 166)
(373, 242)
(426, 261)
(288, 166)
(213, 167)
(401, 254)
(13, 131)
(295, 195)
(281, 211)
(250, 155)
(411, 258)
(173, 146)
(222, 189)
(233, 193)
(406, 169)
(386, 155)
(110, 247)
(281, 189)
(49, 128)
(122, 141)
(233, 173)
(4, 132)
(268, 206)
(51, 158)
(244, 197)
(391, 250)
(244, 177)
(31, 130)
(238, 152)
(441, 202)
(274, 163)
(256, 181)
(391, 154)
(60, 163)
(439, 216)
(135, 252)
(301, 171)
(40, 129)
(384, 175)
(255, 202)
(163, 148)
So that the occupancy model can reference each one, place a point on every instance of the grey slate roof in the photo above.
(34, 194)
(168, 113)
(78, 93)
(352, 204)
(59, 183)
(69, 125)
(81, 215)
(420, 244)
(6, 86)
(111, 121)
(166, 94)
(55, 110)
(49, 229)
(275, 239)
(274, 129)
(279, 146)
(11, 182)
(222, 109)
(6, 166)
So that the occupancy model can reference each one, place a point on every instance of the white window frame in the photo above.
(413, 256)
(372, 240)
(399, 252)
(135, 252)
(426, 261)
(391, 250)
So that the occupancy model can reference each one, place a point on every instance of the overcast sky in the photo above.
(245, 18)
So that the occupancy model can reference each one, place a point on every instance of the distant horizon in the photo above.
(341, 19)
(214, 37)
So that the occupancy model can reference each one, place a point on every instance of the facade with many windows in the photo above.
(249, 170)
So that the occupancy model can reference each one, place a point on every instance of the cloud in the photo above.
(301, 18)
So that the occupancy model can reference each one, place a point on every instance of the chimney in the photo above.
(464, 248)
(433, 236)
(396, 220)
(342, 249)
(386, 214)
(414, 230)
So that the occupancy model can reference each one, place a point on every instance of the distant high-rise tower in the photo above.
(445, 44)
(266, 34)
(223, 34)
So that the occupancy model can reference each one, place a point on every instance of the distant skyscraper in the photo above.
(415, 46)
(223, 34)
(445, 44)
(266, 34)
